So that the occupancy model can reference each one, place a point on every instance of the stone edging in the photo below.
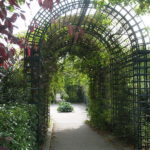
(48, 137)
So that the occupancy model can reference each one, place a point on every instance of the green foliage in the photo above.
(100, 115)
(80, 67)
(99, 106)
(14, 78)
(88, 66)
(75, 93)
(142, 6)
(17, 129)
(67, 76)
(65, 107)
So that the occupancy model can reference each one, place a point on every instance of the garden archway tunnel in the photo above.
(81, 27)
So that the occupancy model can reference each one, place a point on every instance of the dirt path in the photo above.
(71, 133)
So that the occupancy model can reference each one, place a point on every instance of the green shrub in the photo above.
(65, 107)
(75, 93)
(17, 128)
(100, 115)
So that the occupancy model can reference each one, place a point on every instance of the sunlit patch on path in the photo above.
(71, 133)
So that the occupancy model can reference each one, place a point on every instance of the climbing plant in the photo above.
(107, 49)
(142, 6)
(95, 62)
(68, 81)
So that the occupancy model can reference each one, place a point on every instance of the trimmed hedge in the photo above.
(65, 107)
(17, 128)
(75, 94)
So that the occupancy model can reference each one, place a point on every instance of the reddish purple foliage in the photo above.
(57, 1)
(29, 51)
(70, 30)
(3, 148)
(76, 36)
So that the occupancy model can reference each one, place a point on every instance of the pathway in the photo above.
(71, 133)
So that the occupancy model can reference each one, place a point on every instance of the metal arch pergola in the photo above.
(127, 43)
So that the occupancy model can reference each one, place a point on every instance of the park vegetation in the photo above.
(84, 68)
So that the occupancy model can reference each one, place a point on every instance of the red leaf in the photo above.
(13, 2)
(76, 36)
(57, 1)
(14, 17)
(9, 64)
(1, 3)
(35, 47)
(20, 42)
(2, 45)
(40, 2)
(3, 31)
(2, 27)
(31, 28)
(22, 16)
(70, 30)
(1, 16)
(13, 39)
(28, 51)
(3, 148)
(48, 4)
(9, 25)
(45, 4)
(3, 53)
(12, 52)
(3, 12)
(1, 64)
(6, 66)
(28, 4)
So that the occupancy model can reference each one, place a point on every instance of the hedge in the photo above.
(17, 128)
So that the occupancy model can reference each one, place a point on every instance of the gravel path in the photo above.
(71, 133)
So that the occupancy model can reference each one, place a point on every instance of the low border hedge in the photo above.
(17, 128)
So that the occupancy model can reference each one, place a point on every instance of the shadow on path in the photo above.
(71, 133)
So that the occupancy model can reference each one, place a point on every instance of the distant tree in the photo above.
(142, 6)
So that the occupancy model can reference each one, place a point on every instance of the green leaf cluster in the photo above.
(142, 6)
(65, 107)
(14, 78)
(16, 124)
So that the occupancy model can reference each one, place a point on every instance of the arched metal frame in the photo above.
(126, 41)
